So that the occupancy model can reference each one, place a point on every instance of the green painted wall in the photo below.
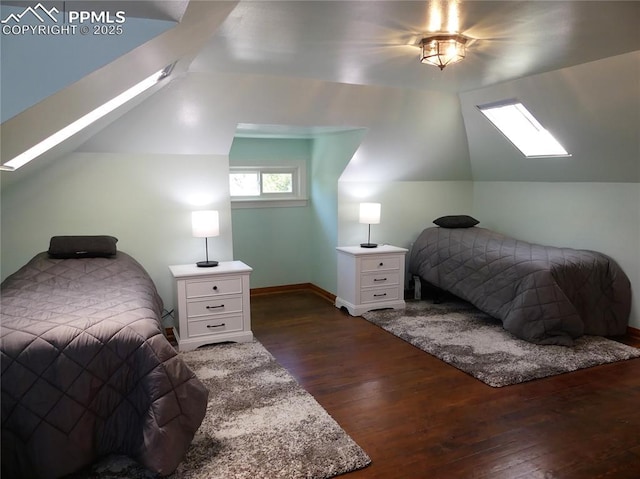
(330, 155)
(273, 241)
(292, 245)
(144, 200)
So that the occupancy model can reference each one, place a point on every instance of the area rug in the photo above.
(260, 423)
(474, 342)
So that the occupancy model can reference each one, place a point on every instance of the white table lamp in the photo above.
(205, 224)
(369, 214)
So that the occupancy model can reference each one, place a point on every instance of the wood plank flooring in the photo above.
(418, 417)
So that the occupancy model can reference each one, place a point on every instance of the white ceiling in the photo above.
(374, 42)
(272, 52)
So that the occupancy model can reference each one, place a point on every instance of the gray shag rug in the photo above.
(474, 342)
(260, 423)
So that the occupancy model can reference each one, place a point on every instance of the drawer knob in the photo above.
(215, 325)
(381, 264)
(379, 279)
(215, 307)
(215, 288)
(379, 295)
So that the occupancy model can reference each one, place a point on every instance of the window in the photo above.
(262, 186)
(522, 129)
(244, 183)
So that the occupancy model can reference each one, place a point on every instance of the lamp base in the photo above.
(206, 264)
(368, 245)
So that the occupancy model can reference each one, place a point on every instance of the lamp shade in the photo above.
(205, 223)
(370, 213)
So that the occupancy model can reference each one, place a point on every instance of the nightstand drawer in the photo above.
(215, 326)
(213, 287)
(380, 279)
(379, 295)
(380, 263)
(207, 307)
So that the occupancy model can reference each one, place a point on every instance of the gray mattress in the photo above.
(86, 370)
(542, 294)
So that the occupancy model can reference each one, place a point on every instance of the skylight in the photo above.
(522, 129)
(84, 121)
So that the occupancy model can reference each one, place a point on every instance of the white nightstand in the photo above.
(212, 304)
(370, 278)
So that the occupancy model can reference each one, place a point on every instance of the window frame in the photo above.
(537, 131)
(298, 196)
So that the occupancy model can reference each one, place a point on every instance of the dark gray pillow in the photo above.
(456, 221)
(63, 247)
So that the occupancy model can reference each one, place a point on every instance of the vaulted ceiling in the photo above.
(376, 42)
(323, 50)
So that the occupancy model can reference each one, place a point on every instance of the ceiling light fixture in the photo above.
(442, 49)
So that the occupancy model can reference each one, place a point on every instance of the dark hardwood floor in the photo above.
(418, 417)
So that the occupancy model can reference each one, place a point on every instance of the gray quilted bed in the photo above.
(542, 294)
(86, 370)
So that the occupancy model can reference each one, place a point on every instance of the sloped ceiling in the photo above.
(353, 64)
(199, 114)
(593, 109)
(41, 120)
(28, 59)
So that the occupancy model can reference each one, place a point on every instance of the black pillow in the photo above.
(456, 221)
(63, 247)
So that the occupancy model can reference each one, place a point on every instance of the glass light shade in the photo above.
(205, 223)
(370, 213)
(443, 50)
